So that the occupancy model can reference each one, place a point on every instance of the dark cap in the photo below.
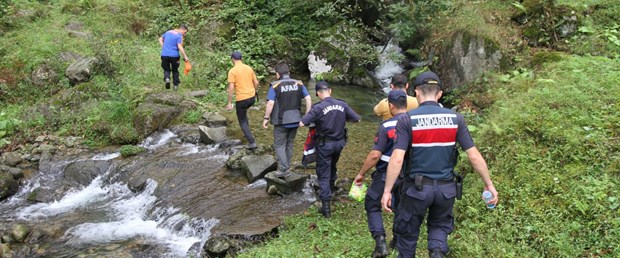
(426, 78)
(397, 96)
(321, 85)
(236, 55)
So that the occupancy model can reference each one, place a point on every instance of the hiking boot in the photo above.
(176, 87)
(167, 80)
(436, 253)
(251, 146)
(282, 174)
(380, 247)
(325, 209)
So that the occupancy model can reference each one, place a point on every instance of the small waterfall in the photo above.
(390, 56)
(106, 156)
(157, 140)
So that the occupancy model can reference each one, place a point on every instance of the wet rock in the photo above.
(214, 119)
(217, 246)
(255, 167)
(234, 161)
(84, 171)
(81, 70)
(467, 58)
(5, 250)
(43, 76)
(19, 232)
(210, 135)
(289, 184)
(11, 159)
(36, 236)
(8, 185)
(189, 134)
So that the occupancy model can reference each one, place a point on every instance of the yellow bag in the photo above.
(358, 193)
(188, 67)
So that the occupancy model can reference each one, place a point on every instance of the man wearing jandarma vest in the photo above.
(429, 134)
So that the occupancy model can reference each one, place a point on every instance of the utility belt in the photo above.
(419, 181)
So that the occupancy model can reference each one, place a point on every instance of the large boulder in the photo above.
(156, 113)
(44, 75)
(210, 135)
(340, 57)
(8, 185)
(81, 70)
(11, 159)
(214, 119)
(84, 171)
(255, 167)
(466, 58)
(17, 173)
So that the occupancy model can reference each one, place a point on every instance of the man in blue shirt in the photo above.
(171, 44)
(284, 110)
(330, 116)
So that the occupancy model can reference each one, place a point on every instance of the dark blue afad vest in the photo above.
(287, 106)
(389, 127)
(433, 140)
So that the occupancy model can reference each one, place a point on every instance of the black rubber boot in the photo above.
(381, 249)
(325, 209)
(436, 253)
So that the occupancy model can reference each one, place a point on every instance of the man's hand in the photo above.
(229, 106)
(185, 59)
(494, 192)
(359, 179)
(265, 121)
(386, 201)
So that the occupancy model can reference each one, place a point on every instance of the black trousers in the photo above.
(171, 64)
(242, 115)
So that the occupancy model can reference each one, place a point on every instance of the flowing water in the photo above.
(157, 204)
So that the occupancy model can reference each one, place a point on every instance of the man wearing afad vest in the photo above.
(283, 109)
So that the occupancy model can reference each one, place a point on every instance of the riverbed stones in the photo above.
(8, 185)
(84, 171)
(20, 232)
(17, 173)
(289, 184)
(217, 246)
(214, 119)
(255, 167)
(11, 159)
(210, 135)
(81, 70)
(234, 161)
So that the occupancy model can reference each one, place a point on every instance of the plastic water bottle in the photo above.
(487, 196)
